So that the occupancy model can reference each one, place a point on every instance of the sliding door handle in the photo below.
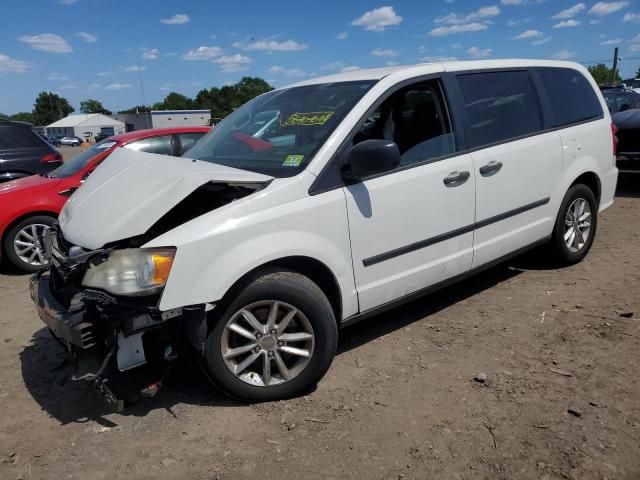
(456, 178)
(490, 168)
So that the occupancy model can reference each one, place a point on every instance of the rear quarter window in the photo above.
(499, 106)
(19, 137)
(571, 96)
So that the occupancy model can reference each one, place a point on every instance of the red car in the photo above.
(28, 206)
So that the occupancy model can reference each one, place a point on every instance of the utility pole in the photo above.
(615, 65)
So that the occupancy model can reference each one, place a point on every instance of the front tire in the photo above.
(575, 227)
(23, 245)
(274, 340)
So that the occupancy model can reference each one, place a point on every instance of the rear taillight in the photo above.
(614, 131)
(51, 158)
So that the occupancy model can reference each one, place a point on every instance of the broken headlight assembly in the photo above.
(131, 271)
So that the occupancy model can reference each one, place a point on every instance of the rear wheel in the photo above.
(23, 245)
(576, 224)
(275, 340)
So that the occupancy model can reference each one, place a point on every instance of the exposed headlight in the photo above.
(132, 271)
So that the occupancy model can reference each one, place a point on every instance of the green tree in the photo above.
(638, 73)
(174, 101)
(602, 74)
(136, 109)
(224, 100)
(22, 117)
(93, 106)
(50, 108)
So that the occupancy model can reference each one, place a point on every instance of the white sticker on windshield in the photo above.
(105, 146)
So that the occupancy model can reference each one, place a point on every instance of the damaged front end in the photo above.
(109, 333)
(100, 296)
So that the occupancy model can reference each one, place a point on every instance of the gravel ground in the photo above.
(559, 349)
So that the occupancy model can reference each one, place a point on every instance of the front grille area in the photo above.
(628, 141)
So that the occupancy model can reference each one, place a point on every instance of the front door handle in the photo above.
(456, 178)
(490, 168)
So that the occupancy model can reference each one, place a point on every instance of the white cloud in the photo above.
(631, 17)
(342, 35)
(513, 2)
(57, 77)
(67, 2)
(570, 12)
(203, 53)
(437, 58)
(613, 41)
(635, 48)
(47, 42)
(150, 54)
(475, 52)
(287, 72)
(563, 55)
(87, 37)
(567, 24)
(452, 29)
(528, 34)
(480, 14)
(272, 45)
(117, 86)
(233, 63)
(384, 52)
(541, 41)
(514, 22)
(165, 87)
(105, 73)
(350, 68)
(135, 68)
(333, 66)
(378, 19)
(605, 8)
(177, 19)
(11, 65)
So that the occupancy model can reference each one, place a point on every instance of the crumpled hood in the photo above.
(627, 119)
(131, 190)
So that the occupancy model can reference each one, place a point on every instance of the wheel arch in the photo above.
(314, 269)
(20, 218)
(591, 180)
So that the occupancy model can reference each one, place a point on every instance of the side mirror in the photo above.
(371, 157)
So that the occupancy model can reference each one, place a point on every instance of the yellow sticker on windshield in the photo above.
(293, 161)
(308, 118)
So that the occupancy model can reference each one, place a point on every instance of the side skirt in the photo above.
(438, 286)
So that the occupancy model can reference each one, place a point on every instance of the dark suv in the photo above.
(23, 152)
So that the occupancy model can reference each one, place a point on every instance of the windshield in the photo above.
(278, 133)
(76, 164)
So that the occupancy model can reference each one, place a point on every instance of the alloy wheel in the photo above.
(28, 244)
(577, 225)
(267, 343)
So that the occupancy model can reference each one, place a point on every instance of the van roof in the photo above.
(431, 67)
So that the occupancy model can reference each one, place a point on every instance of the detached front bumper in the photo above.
(69, 325)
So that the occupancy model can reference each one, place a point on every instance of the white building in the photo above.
(85, 126)
(180, 118)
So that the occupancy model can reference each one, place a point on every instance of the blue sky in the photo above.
(94, 48)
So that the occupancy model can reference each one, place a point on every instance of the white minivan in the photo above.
(319, 204)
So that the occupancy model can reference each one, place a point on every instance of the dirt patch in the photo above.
(559, 397)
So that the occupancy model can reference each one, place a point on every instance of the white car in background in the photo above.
(370, 188)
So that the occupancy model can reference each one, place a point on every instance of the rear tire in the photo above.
(575, 227)
(265, 360)
(15, 247)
